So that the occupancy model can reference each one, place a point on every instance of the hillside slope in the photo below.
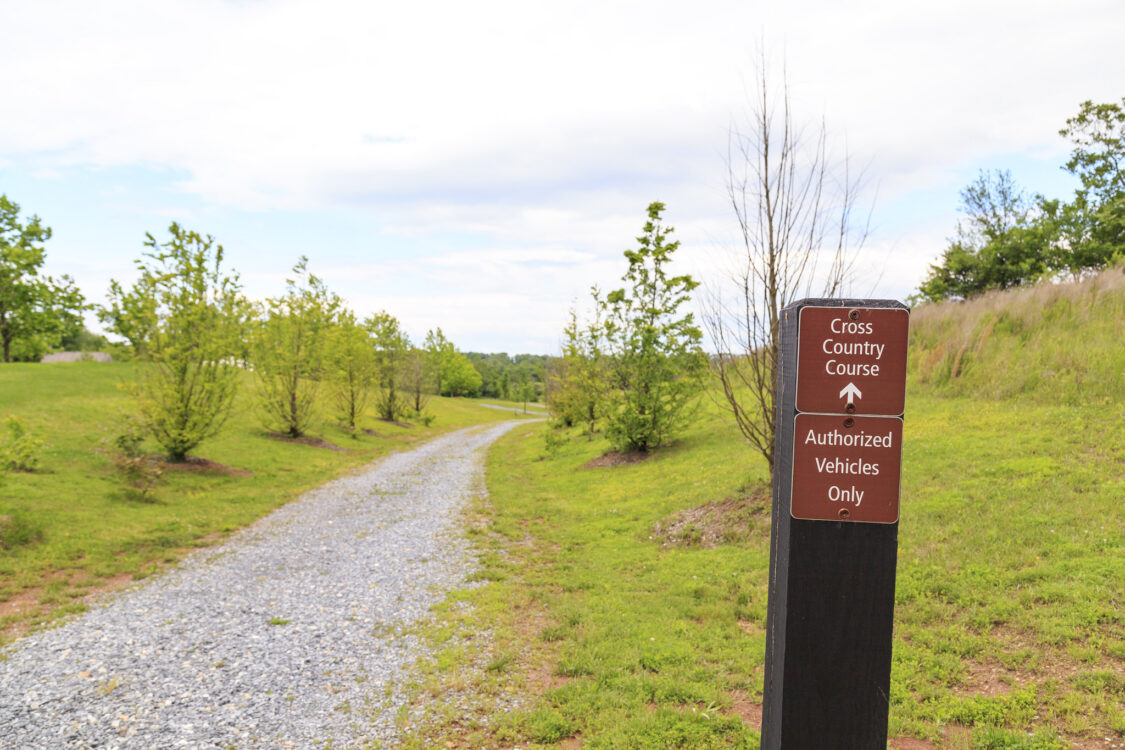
(1052, 343)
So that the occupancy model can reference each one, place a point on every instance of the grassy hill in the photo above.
(627, 603)
(1051, 343)
(71, 528)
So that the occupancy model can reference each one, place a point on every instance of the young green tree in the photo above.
(289, 351)
(440, 350)
(459, 377)
(188, 378)
(350, 368)
(391, 348)
(655, 359)
(578, 383)
(35, 310)
(416, 379)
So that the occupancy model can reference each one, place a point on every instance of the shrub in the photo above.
(19, 450)
(138, 471)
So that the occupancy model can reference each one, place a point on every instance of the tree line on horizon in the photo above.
(1008, 238)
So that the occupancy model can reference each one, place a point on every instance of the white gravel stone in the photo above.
(191, 660)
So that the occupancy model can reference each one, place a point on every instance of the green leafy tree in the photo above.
(999, 244)
(289, 351)
(459, 377)
(1098, 158)
(416, 379)
(391, 348)
(440, 350)
(188, 378)
(654, 354)
(350, 368)
(577, 386)
(131, 314)
(1094, 222)
(1007, 240)
(36, 311)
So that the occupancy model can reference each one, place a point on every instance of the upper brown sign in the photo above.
(852, 360)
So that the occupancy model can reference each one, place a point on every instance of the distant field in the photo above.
(628, 602)
(94, 535)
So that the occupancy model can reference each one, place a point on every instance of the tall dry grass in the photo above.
(1052, 342)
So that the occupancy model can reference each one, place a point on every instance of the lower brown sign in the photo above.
(846, 468)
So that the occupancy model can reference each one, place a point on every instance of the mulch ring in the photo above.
(402, 437)
(205, 466)
(312, 440)
(715, 523)
(616, 458)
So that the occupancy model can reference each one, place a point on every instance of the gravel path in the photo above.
(289, 634)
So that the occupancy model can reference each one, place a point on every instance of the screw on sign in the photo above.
(852, 361)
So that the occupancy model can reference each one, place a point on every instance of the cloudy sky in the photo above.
(478, 166)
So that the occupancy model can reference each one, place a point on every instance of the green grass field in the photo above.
(624, 606)
(83, 531)
(616, 624)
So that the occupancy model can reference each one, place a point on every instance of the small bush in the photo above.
(125, 450)
(554, 440)
(18, 530)
(19, 450)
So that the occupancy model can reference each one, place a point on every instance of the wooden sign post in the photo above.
(833, 546)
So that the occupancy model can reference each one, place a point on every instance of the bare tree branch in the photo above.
(795, 210)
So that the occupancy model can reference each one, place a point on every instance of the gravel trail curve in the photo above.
(288, 634)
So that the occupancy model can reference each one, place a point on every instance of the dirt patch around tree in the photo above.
(316, 442)
(718, 522)
(205, 466)
(403, 438)
(616, 458)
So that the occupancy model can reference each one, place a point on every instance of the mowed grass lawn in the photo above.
(89, 533)
(615, 627)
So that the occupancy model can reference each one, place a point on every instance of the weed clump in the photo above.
(125, 450)
(19, 530)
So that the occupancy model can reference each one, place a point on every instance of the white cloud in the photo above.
(524, 140)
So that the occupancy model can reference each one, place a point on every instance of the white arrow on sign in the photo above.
(851, 393)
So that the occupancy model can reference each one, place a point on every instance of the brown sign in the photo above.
(846, 468)
(852, 360)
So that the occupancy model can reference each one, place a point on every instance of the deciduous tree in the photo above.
(188, 378)
(654, 354)
(459, 377)
(391, 347)
(35, 310)
(416, 379)
(350, 367)
(578, 382)
(289, 351)
(440, 350)
(795, 209)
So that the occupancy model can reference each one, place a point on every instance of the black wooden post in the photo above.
(831, 583)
